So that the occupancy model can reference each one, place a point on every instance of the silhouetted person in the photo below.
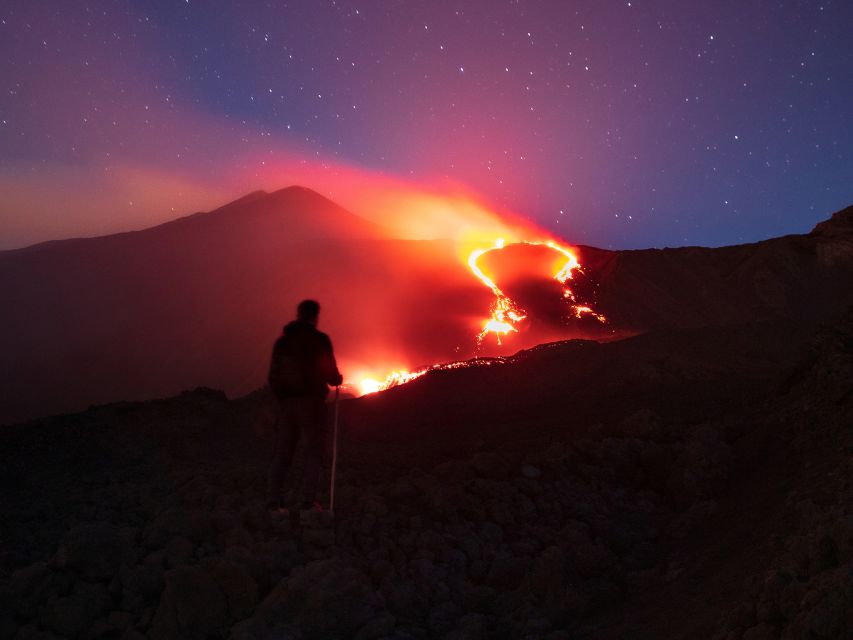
(302, 368)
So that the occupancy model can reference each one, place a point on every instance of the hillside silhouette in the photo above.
(198, 301)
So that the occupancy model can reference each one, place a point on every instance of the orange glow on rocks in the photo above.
(368, 385)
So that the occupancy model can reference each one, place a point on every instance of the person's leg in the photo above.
(315, 432)
(287, 434)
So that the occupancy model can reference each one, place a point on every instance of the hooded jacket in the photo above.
(305, 355)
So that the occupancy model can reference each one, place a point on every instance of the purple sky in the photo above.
(614, 123)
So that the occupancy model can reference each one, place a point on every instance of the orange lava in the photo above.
(393, 379)
(369, 385)
(505, 313)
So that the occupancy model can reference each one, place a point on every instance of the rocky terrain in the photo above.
(693, 481)
(680, 484)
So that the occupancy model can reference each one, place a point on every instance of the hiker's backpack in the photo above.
(288, 375)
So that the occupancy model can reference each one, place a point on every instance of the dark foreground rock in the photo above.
(722, 510)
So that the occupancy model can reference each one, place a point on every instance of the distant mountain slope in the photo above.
(800, 277)
(199, 301)
(287, 215)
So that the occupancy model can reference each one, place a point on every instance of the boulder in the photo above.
(442, 618)
(194, 525)
(204, 600)
(28, 587)
(327, 598)
(380, 626)
(452, 471)
(472, 626)
(489, 464)
(527, 470)
(31, 632)
(702, 468)
(506, 571)
(141, 586)
(761, 631)
(404, 598)
(827, 608)
(96, 550)
(69, 616)
(179, 551)
(478, 598)
(842, 536)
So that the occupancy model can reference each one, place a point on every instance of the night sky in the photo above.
(615, 123)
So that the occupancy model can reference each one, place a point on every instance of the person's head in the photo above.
(308, 311)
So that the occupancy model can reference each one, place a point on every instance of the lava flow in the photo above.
(393, 379)
(505, 313)
(396, 378)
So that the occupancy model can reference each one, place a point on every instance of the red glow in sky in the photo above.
(618, 124)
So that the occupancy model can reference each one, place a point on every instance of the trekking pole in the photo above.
(334, 455)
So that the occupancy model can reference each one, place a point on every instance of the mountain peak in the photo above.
(305, 213)
(297, 189)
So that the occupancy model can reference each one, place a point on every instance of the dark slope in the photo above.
(682, 484)
(802, 278)
(683, 374)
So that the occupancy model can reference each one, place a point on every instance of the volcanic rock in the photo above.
(325, 598)
(692, 482)
(199, 600)
(529, 471)
(96, 550)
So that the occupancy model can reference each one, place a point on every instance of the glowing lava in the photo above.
(505, 313)
(396, 378)
(371, 385)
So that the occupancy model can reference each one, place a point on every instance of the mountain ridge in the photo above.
(197, 301)
(286, 197)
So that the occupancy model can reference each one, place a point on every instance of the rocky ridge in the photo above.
(734, 521)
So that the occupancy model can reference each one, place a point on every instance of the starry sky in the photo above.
(616, 123)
